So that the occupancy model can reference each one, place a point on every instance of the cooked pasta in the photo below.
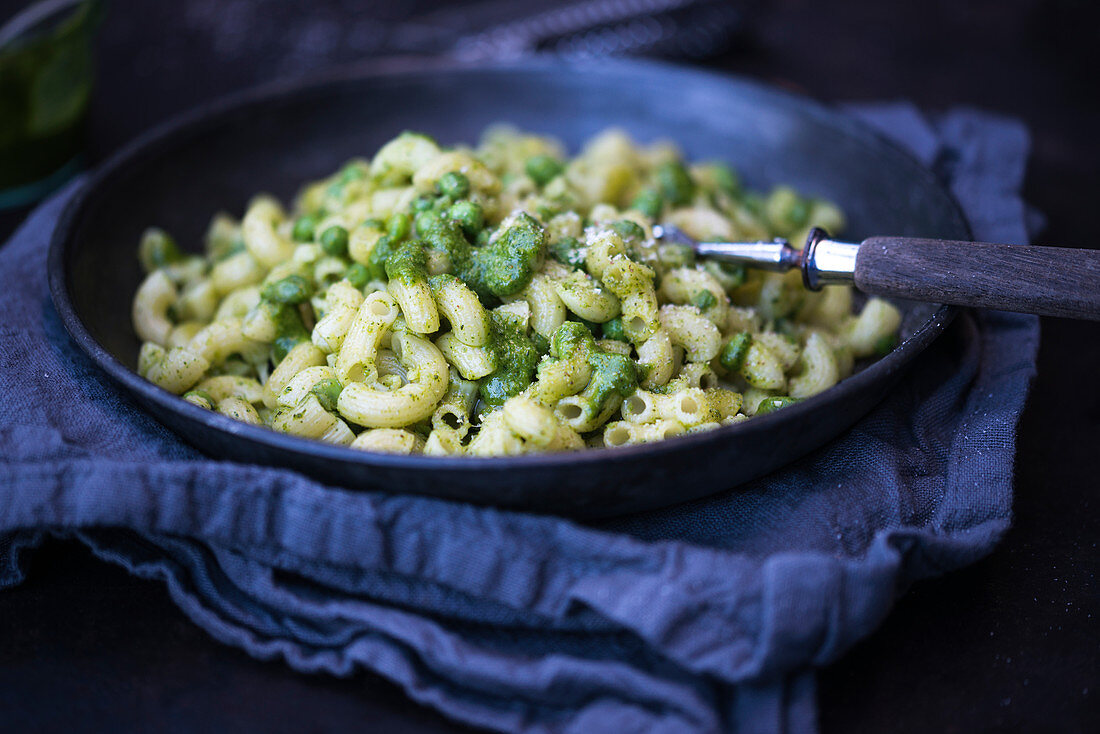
(498, 300)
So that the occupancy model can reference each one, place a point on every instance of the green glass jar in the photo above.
(45, 87)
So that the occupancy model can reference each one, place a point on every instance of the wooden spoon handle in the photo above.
(1050, 281)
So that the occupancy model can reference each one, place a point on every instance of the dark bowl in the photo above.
(275, 139)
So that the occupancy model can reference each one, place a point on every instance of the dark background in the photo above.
(1009, 644)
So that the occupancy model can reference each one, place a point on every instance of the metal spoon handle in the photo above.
(777, 255)
(1050, 281)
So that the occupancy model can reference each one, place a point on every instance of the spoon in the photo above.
(1050, 281)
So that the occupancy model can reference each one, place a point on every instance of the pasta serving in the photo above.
(499, 300)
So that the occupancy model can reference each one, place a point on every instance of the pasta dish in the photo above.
(499, 300)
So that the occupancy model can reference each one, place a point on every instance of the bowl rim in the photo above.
(210, 114)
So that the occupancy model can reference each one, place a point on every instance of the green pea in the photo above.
(158, 249)
(613, 329)
(469, 216)
(649, 202)
(304, 228)
(291, 290)
(375, 224)
(378, 255)
(703, 300)
(423, 203)
(357, 274)
(675, 184)
(774, 403)
(733, 352)
(454, 184)
(543, 168)
(334, 241)
(483, 238)
(399, 227)
(426, 222)
(328, 393)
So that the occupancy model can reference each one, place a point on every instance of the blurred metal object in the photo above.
(823, 261)
(826, 261)
(776, 255)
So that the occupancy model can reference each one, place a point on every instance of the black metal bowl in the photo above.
(275, 139)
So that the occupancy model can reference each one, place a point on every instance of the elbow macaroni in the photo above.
(530, 308)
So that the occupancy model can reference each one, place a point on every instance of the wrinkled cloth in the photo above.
(705, 617)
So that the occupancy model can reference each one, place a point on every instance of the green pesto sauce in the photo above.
(502, 268)
(542, 344)
(675, 183)
(571, 337)
(611, 373)
(407, 264)
(630, 231)
(568, 251)
(516, 357)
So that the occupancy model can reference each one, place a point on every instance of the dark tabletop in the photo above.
(1009, 644)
